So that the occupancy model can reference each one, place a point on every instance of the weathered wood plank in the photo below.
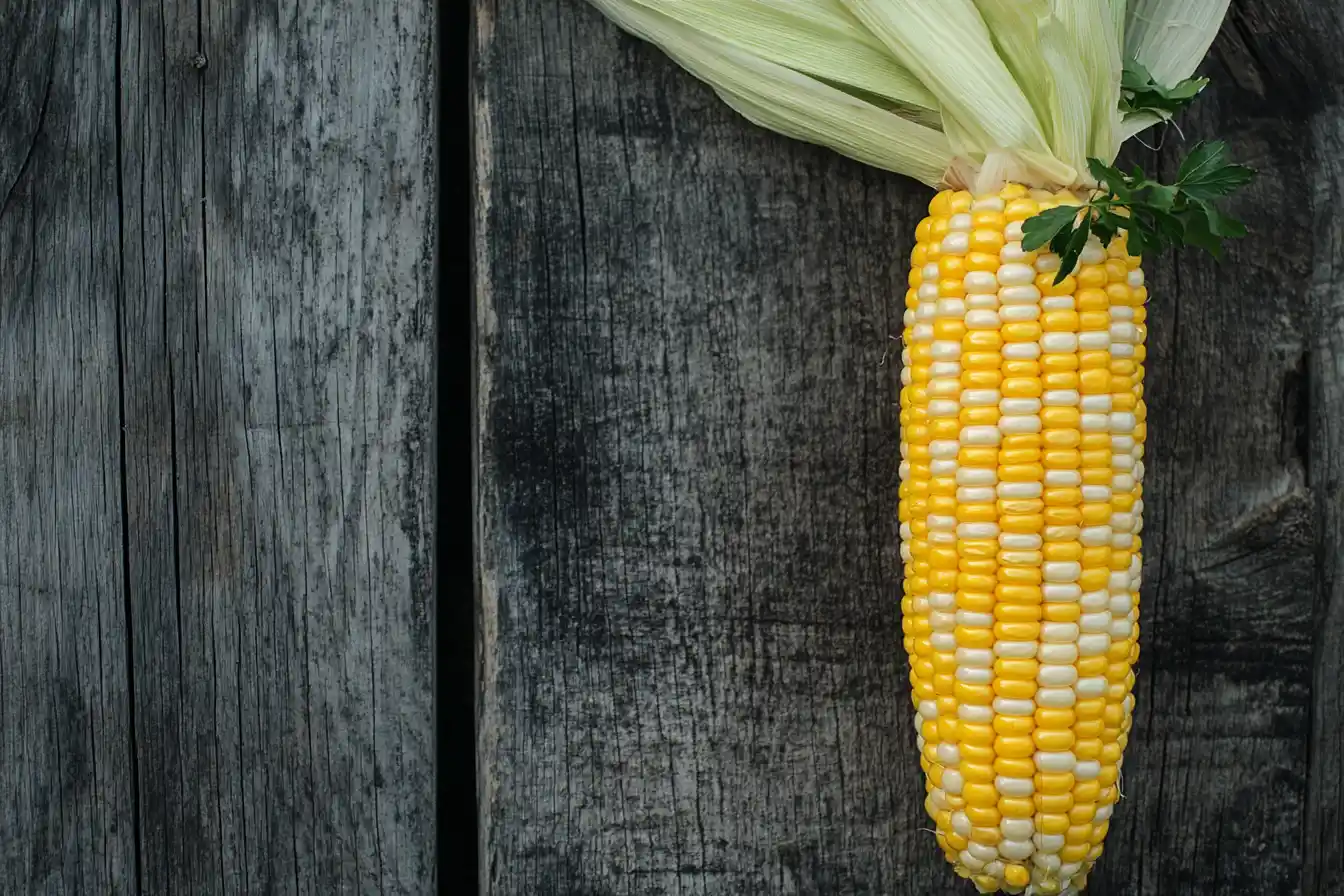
(279, 201)
(1323, 831)
(216, 324)
(1323, 834)
(691, 676)
(66, 766)
(687, 488)
(1288, 107)
(1216, 781)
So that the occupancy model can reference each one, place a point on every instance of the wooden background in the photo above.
(691, 680)
(217, 250)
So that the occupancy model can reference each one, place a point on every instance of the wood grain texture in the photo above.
(1323, 834)
(691, 678)
(216, 286)
(279, 189)
(67, 811)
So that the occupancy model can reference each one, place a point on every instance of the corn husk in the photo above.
(963, 93)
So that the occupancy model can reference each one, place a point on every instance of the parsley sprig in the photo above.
(1154, 216)
(1140, 93)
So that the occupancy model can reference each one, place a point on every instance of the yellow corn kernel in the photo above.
(1053, 740)
(1021, 331)
(951, 288)
(1086, 791)
(1055, 782)
(1014, 747)
(987, 836)
(987, 241)
(1074, 852)
(1063, 551)
(1012, 612)
(1062, 612)
(983, 816)
(1018, 209)
(1053, 803)
(976, 771)
(982, 261)
(1059, 368)
(1014, 725)
(1092, 276)
(1021, 367)
(1052, 823)
(1048, 287)
(1087, 748)
(980, 794)
(1012, 456)
(1011, 767)
(1016, 876)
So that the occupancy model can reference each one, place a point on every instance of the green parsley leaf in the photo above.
(1140, 93)
(1107, 225)
(1205, 157)
(1136, 242)
(1105, 174)
(1155, 217)
(1161, 196)
(1042, 228)
(1207, 173)
(1170, 227)
(1073, 247)
(1197, 233)
(1222, 225)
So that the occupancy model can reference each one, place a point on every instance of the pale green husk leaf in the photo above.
(964, 93)
(1091, 25)
(1015, 28)
(787, 101)
(1170, 37)
(973, 85)
(1139, 122)
(817, 37)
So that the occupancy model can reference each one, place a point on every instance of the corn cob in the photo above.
(1022, 412)
(1022, 421)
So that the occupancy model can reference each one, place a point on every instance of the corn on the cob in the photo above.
(1022, 413)
(1022, 421)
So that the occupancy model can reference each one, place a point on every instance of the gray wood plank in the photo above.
(1323, 834)
(687, 488)
(278, 328)
(1215, 779)
(691, 674)
(66, 765)
(1218, 784)
(1286, 111)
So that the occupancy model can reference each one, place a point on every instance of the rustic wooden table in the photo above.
(216, 347)
(691, 675)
